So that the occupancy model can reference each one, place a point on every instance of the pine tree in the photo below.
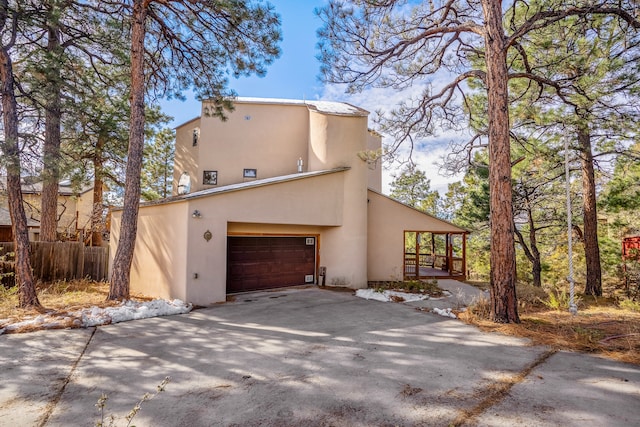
(381, 43)
(157, 167)
(10, 17)
(191, 44)
(412, 187)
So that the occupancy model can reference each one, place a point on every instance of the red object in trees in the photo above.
(631, 248)
(631, 252)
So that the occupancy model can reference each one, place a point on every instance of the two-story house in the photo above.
(282, 193)
(75, 206)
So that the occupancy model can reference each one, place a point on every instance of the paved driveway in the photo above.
(308, 358)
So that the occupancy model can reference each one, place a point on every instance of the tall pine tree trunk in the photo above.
(51, 158)
(27, 296)
(502, 258)
(590, 215)
(98, 196)
(119, 288)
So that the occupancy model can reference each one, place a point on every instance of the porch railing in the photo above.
(413, 263)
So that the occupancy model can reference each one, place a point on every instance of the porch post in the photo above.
(418, 238)
(464, 255)
(449, 252)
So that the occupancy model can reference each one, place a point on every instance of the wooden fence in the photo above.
(59, 261)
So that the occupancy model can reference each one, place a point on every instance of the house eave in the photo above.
(464, 230)
(239, 187)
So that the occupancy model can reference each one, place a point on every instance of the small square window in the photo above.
(210, 178)
(250, 173)
(196, 136)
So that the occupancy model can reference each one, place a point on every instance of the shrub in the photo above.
(529, 295)
(480, 308)
(630, 304)
(558, 299)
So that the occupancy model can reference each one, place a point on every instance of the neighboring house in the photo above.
(6, 233)
(74, 209)
(282, 193)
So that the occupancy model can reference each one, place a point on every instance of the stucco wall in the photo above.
(84, 205)
(271, 137)
(388, 220)
(315, 201)
(67, 208)
(374, 179)
(160, 256)
(267, 137)
(335, 141)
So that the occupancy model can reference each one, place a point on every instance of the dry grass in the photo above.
(428, 287)
(601, 327)
(58, 298)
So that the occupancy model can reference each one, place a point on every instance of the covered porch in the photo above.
(430, 255)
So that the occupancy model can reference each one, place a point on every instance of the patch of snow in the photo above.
(330, 107)
(386, 296)
(131, 310)
(336, 108)
(94, 316)
(446, 312)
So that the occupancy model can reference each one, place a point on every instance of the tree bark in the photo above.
(532, 254)
(593, 284)
(98, 196)
(536, 262)
(51, 155)
(27, 296)
(119, 288)
(502, 258)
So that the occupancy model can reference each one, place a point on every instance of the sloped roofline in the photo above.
(5, 219)
(187, 122)
(36, 188)
(419, 211)
(240, 186)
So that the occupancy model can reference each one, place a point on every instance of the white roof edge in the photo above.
(337, 108)
(418, 210)
(187, 122)
(327, 107)
(241, 186)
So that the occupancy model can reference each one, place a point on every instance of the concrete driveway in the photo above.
(308, 357)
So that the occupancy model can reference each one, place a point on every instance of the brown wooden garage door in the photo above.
(255, 263)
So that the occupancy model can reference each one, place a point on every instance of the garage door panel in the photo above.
(255, 263)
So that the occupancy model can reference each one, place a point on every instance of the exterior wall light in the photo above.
(196, 214)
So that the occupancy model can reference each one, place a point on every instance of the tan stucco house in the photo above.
(75, 206)
(282, 193)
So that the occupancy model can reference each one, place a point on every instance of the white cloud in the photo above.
(427, 153)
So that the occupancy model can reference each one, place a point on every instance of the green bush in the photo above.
(558, 299)
(629, 304)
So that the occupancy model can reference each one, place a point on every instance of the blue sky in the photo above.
(294, 75)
